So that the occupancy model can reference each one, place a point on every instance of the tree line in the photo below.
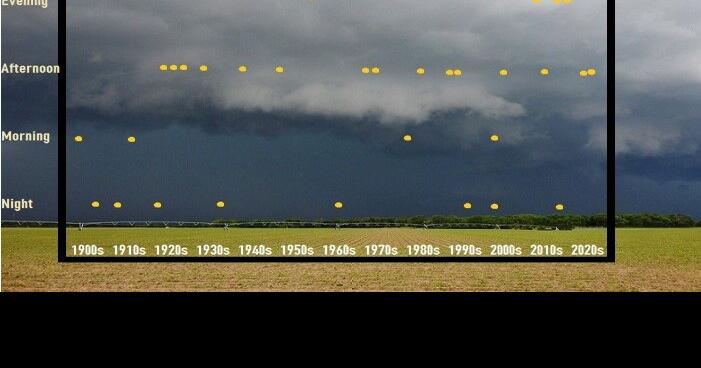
(542, 222)
(527, 220)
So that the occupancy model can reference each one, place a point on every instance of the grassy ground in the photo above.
(316, 238)
(648, 259)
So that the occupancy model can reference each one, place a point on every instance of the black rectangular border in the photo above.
(610, 184)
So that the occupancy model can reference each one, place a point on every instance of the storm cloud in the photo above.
(116, 48)
(658, 79)
(286, 145)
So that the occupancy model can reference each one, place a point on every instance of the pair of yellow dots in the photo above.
(556, 2)
(591, 72)
(468, 205)
(410, 138)
(453, 72)
(97, 204)
(80, 139)
(156, 205)
(505, 72)
(368, 70)
(244, 69)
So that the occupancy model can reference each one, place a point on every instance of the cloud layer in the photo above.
(658, 79)
(323, 45)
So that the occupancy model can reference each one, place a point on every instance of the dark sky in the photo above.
(283, 146)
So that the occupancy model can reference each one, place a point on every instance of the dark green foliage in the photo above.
(654, 220)
(525, 221)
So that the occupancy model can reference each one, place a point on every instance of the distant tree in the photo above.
(522, 221)
(417, 220)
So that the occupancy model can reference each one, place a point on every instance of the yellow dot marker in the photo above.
(558, 2)
(567, 1)
(408, 138)
(243, 69)
(494, 206)
(583, 73)
(95, 204)
(420, 71)
(559, 207)
(221, 204)
(449, 72)
(163, 68)
(375, 70)
(173, 68)
(204, 68)
(131, 139)
(117, 205)
(467, 205)
(279, 69)
(457, 72)
(157, 205)
(365, 70)
(338, 205)
(504, 72)
(494, 138)
(545, 72)
(536, 1)
(184, 68)
(591, 72)
(78, 138)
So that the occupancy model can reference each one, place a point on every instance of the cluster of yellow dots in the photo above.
(337, 205)
(174, 68)
(556, 2)
(468, 205)
(495, 206)
(279, 69)
(156, 205)
(376, 70)
(406, 137)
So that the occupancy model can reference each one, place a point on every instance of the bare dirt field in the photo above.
(648, 260)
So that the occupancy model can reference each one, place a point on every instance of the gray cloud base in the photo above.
(323, 45)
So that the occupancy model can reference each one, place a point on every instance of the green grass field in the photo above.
(648, 260)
